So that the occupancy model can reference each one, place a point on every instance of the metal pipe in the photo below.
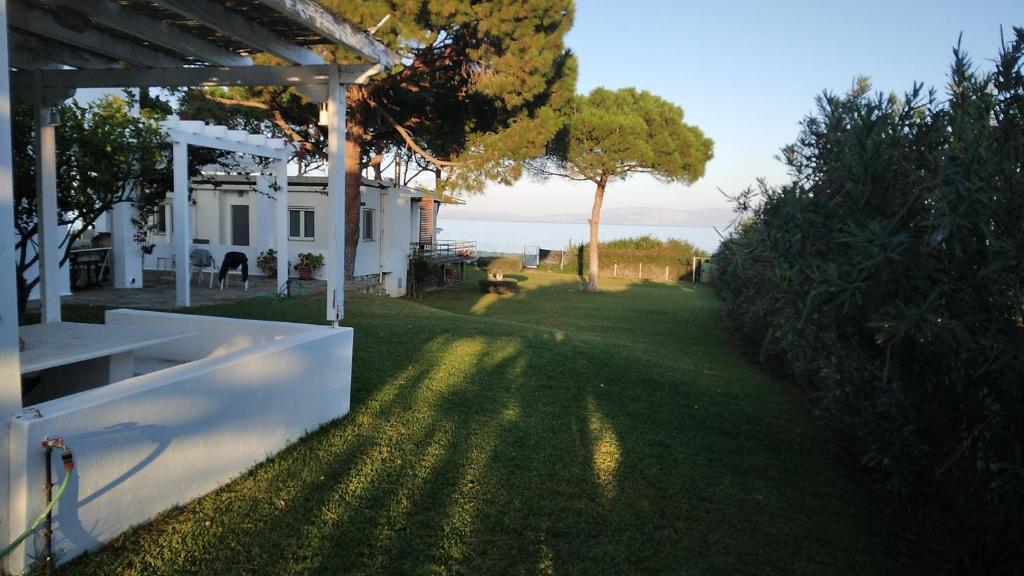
(48, 531)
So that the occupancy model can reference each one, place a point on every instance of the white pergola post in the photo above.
(335, 200)
(126, 253)
(10, 372)
(281, 219)
(46, 214)
(182, 229)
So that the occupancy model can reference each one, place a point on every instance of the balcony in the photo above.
(446, 251)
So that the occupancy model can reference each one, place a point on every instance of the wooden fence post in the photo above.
(641, 274)
(615, 270)
(666, 273)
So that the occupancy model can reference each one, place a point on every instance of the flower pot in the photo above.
(305, 272)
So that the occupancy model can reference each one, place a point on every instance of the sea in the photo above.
(512, 237)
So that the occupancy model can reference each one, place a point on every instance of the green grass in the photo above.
(551, 431)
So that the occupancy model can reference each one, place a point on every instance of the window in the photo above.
(160, 219)
(239, 225)
(368, 234)
(301, 224)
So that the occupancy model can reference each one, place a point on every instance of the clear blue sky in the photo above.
(747, 71)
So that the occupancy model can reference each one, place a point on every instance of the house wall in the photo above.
(396, 220)
(369, 256)
(145, 444)
(402, 217)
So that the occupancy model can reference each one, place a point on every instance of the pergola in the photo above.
(53, 47)
(185, 133)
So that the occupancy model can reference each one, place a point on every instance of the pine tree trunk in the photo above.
(355, 102)
(595, 221)
(353, 180)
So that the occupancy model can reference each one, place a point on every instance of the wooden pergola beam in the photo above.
(39, 50)
(317, 18)
(213, 15)
(194, 76)
(21, 15)
(116, 16)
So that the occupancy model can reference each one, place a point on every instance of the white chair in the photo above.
(200, 259)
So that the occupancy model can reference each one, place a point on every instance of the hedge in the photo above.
(888, 276)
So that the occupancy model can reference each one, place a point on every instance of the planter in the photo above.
(305, 272)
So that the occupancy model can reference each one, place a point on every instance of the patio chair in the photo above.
(201, 259)
(232, 260)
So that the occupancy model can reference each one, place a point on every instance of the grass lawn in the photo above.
(551, 431)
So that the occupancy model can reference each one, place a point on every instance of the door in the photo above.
(239, 224)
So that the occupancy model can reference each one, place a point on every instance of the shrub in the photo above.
(639, 257)
(504, 265)
(887, 277)
(311, 260)
(425, 274)
(499, 286)
(266, 261)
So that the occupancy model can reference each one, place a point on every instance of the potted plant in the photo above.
(266, 261)
(309, 263)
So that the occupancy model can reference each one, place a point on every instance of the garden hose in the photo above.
(69, 465)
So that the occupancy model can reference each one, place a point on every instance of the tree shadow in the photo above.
(492, 444)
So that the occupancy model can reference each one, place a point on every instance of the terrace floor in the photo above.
(158, 292)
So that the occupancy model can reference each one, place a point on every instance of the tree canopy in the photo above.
(608, 135)
(476, 94)
(106, 154)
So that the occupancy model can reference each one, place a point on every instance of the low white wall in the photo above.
(148, 443)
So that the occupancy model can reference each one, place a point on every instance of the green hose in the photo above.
(39, 519)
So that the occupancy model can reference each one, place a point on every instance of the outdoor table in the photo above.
(89, 266)
(62, 358)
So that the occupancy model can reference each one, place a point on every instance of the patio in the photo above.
(158, 292)
(189, 401)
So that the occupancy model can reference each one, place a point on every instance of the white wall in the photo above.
(402, 215)
(148, 443)
(396, 222)
(33, 271)
(368, 254)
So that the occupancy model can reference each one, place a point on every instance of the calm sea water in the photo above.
(496, 236)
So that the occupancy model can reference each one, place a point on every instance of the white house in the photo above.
(236, 213)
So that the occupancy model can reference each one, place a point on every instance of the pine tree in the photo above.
(476, 93)
(610, 135)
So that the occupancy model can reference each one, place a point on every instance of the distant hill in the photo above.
(636, 215)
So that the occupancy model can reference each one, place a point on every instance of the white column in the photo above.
(10, 373)
(281, 219)
(46, 215)
(127, 255)
(335, 200)
(182, 231)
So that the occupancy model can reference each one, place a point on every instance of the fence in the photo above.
(446, 250)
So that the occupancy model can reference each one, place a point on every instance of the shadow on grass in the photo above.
(492, 445)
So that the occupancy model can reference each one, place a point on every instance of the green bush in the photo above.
(499, 286)
(312, 260)
(425, 274)
(887, 276)
(504, 265)
(266, 261)
(643, 257)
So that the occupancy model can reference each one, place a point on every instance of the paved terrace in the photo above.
(158, 293)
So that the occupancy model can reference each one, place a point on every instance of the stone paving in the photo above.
(158, 292)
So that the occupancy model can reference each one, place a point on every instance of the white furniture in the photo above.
(62, 358)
